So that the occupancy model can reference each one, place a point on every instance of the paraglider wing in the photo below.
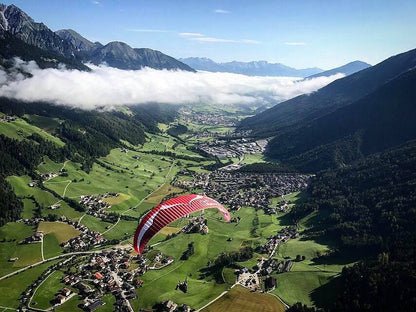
(169, 211)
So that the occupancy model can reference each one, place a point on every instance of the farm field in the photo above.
(241, 299)
(47, 291)
(11, 235)
(20, 129)
(15, 285)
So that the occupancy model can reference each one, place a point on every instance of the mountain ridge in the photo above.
(253, 68)
(342, 92)
(76, 48)
(347, 69)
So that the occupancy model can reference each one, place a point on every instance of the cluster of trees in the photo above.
(226, 259)
(188, 252)
(370, 208)
(177, 130)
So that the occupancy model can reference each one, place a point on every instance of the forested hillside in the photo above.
(87, 135)
(374, 123)
(370, 209)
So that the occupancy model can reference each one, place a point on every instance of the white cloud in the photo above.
(96, 2)
(221, 11)
(250, 41)
(190, 34)
(212, 39)
(108, 87)
(295, 43)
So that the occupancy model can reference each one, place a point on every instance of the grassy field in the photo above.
(11, 235)
(15, 285)
(47, 291)
(239, 299)
(20, 129)
(293, 287)
(70, 305)
(253, 158)
(44, 198)
(62, 231)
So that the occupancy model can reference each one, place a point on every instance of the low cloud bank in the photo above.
(107, 87)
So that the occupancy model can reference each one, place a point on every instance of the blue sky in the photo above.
(296, 33)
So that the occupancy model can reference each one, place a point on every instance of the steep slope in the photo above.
(11, 47)
(347, 69)
(121, 55)
(302, 109)
(255, 68)
(80, 43)
(18, 23)
(368, 209)
(378, 121)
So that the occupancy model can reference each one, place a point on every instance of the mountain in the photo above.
(371, 111)
(376, 122)
(121, 55)
(347, 69)
(256, 68)
(12, 46)
(78, 42)
(296, 112)
(76, 49)
(21, 25)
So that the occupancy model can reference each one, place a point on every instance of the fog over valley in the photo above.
(107, 87)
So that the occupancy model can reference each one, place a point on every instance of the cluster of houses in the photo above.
(249, 280)
(234, 148)
(243, 189)
(160, 261)
(196, 225)
(85, 240)
(47, 176)
(170, 306)
(237, 189)
(96, 205)
(275, 240)
(208, 119)
(35, 238)
(7, 118)
(109, 271)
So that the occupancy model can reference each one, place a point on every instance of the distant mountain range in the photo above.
(256, 68)
(364, 113)
(263, 68)
(17, 29)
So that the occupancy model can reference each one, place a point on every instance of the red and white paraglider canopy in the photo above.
(169, 211)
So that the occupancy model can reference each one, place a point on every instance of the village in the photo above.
(235, 148)
(237, 189)
(207, 119)
(267, 266)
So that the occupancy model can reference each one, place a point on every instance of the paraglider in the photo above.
(169, 211)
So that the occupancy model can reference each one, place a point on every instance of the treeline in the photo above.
(371, 209)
